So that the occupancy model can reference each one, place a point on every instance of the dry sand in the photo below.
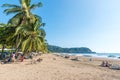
(58, 68)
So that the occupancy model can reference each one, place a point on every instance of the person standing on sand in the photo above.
(13, 56)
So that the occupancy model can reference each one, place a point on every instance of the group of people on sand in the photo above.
(105, 64)
(19, 57)
(13, 58)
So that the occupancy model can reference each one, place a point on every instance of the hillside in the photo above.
(58, 49)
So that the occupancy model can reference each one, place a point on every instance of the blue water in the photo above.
(100, 55)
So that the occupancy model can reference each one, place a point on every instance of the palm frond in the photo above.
(25, 45)
(15, 20)
(38, 17)
(25, 30)
(42, 33)
(42, 24)
(20, 1)
(11, 5)
(36, 25)
(12, 10)
(33, 6)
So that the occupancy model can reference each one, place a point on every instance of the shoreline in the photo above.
(87, 55)
(87, 58)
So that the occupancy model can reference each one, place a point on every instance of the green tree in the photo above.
(3, 37)
(23, 12)
(32, 36)
(27, 25)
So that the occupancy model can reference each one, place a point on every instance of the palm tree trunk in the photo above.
(24, 5)
(17, 43)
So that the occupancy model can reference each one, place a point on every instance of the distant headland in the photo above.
(58, 49)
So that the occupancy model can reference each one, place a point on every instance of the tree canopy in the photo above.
(24, 31)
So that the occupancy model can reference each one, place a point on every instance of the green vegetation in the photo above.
(57, 49)
(24, 31)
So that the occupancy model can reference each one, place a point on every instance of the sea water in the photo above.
(99, 55)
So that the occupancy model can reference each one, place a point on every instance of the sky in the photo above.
(78, 23)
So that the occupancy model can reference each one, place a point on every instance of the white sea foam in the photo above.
(98, 55)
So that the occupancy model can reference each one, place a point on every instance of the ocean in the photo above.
(99, 55)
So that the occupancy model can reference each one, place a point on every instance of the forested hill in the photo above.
(58, 49)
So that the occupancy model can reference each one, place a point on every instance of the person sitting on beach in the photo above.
(17, 56)
(105, 64)
(39, 60)
(22, 58)
(90, 59)
(31, 56)
(10, 58)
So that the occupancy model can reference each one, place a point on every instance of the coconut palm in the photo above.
(23, 12)
(3, 36)
(33, 36)
(27, 25)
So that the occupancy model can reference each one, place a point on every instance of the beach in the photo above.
(54, 67)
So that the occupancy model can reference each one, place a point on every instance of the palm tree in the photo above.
(23, 12)
(32, 36)
(27, 25)
(3, 36)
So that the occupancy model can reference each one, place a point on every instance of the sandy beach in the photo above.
(58, 68)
